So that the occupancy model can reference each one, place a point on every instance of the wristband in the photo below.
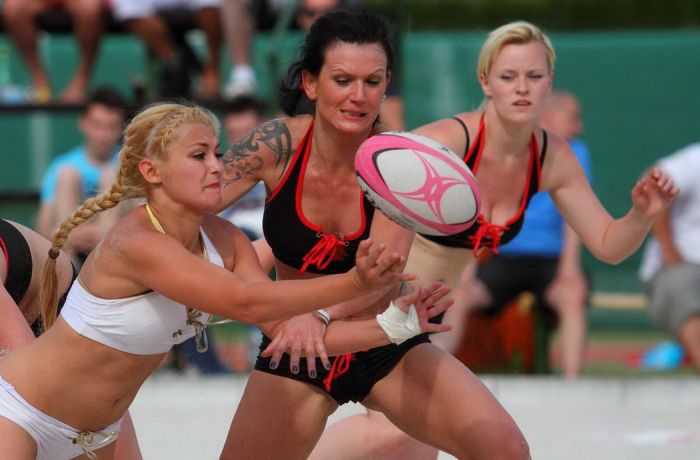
(323, 315)
(397, 325)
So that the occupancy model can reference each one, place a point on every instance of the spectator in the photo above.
(20, 18)
(238, 27)
(83, 171)
(145, 18)
(671, 263)
(241, 116)
(545, 256)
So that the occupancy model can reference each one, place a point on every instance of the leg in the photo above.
(373, 437)
(238, 29)
(19, 17)
(446, 406)
(277, 418)
(126, 447)
(15, 442)
(87, 27)
(209, 22)
(689, 336)
(155, 35)
(571, 311)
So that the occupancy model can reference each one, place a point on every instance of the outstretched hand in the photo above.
(653, 193)
(429, 302)
(375, 269)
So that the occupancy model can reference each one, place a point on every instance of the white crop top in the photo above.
(144, 324)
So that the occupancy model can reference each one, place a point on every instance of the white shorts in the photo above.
(137, 9)
(54, 439)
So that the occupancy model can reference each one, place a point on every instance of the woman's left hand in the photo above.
(429, 301)
(653, 193)
(299, 335)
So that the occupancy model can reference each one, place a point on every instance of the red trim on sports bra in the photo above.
(7, 260)
(330, 246)
(489, 229)
(302, 147)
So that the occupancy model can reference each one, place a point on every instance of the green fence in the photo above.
(638, 92)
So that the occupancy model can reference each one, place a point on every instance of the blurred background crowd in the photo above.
(72, 72)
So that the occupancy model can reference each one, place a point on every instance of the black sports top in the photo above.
(295, 240)
(18, 260)
(487, 234)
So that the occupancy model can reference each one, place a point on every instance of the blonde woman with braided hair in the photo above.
(152, 282)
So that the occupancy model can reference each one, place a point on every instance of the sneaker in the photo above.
(241, 82)
(663, 357)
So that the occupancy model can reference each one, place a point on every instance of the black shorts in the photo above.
(352, 376)
(507, 277)
(15, 250)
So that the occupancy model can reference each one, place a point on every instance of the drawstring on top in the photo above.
(86, 439)
(329, 247)
(487, 234)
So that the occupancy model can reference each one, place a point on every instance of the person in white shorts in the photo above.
(671, 264)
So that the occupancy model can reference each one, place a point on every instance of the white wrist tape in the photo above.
(397, 325)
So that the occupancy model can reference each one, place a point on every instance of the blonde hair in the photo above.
(148, 135)
(519, 33)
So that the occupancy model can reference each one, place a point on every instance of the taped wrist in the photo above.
(397, 325)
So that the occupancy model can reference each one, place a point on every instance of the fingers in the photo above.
(295, 356)
(310, 357)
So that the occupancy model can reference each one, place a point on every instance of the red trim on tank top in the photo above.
(300, 212)
(297, 153)
(534, 154)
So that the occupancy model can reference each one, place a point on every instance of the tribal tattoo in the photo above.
(241, 159)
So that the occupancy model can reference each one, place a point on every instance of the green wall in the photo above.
(638, 91)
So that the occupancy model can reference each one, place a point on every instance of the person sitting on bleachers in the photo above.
(146, 18)
(20, 21)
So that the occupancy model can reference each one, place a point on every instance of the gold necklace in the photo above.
(193, 315)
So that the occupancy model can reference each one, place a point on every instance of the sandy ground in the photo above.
(187, 417)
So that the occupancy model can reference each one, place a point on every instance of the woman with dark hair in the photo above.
(315, 215)
(512, 157)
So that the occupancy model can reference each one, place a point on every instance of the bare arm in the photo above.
(263, 155)
(14, 330)
(610, 240)
(156, 261)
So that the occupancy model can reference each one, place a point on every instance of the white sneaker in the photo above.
(241, 82)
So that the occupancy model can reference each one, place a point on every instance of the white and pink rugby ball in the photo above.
(418, 183)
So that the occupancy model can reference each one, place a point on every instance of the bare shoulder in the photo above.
(560, 163)
(449, 131)
(225, 237)
(267, 148)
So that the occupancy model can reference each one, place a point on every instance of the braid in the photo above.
(147, 136)
(92, 206)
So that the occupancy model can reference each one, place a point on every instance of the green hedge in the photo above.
(549, 14)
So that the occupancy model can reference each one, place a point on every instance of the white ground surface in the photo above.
(187, 417)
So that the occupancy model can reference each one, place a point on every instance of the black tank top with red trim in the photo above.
(484, 233)
(299, 243)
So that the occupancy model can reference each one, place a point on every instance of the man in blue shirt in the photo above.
(82, 172)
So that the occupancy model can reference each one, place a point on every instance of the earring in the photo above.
(384, 97)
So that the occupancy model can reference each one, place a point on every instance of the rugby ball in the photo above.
(418, 183)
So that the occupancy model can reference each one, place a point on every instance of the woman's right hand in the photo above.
(429, 302)
(374, 269)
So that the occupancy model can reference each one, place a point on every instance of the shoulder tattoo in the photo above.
(243, 157)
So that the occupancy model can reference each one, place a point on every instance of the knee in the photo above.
(514, 447)
(393, 440)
